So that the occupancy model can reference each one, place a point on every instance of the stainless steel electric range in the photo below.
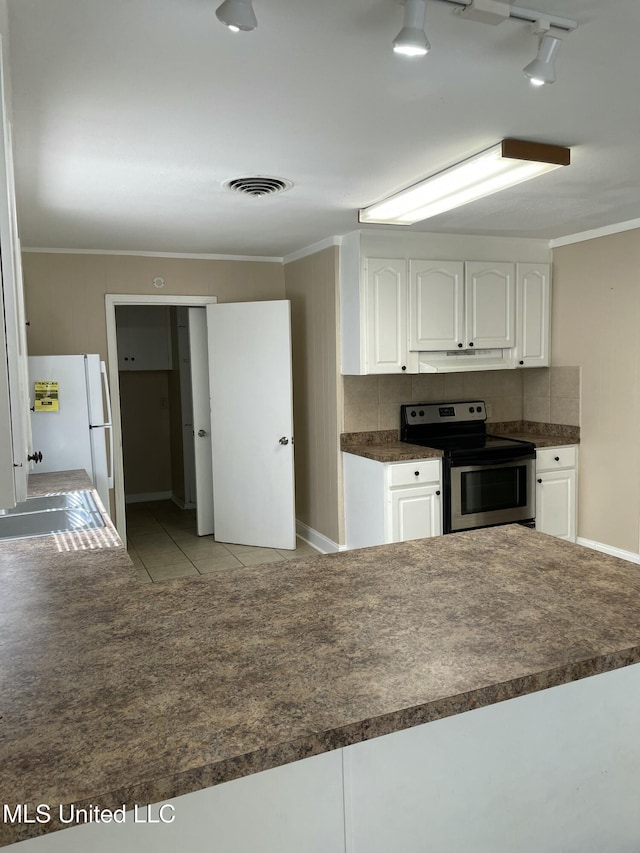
(487, 479)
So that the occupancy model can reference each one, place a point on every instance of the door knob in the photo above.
(284, 440)
(202, 433)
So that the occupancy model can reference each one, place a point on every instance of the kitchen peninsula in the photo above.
(117, 693)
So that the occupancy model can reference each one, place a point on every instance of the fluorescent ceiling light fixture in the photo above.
(506, 164)
(237, 15)
(412, 39)
(542, 70)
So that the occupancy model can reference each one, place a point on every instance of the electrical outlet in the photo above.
(488, 409)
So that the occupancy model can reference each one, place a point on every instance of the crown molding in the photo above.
(255, 258)
(311, 250)
(605, 231)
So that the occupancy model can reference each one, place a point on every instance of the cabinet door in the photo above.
(556, 503)
(386, 295)
(14, 392)
(533, 308)
(144, 337)
(436, 305)
(416, 513)
(489, 304)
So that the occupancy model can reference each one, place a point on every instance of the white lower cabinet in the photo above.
(296, 808)
(556, 491)
(391, 502)
(552, 771)
(416, 512)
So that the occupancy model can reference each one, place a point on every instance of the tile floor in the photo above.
(163, 544)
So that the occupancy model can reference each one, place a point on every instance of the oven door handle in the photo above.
(489, 459)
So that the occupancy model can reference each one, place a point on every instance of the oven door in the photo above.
(483, 494)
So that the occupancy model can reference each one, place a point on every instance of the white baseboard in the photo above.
(630, 556)
(180, 503)
(148, 496)
(317, 540)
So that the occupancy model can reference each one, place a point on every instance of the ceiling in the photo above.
(130, 114)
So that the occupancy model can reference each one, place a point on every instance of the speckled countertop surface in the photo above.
(115, 692)
(385, 446)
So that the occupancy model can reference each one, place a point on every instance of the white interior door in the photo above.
(252, 423)
(199, 357)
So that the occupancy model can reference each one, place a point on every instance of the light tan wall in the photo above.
(312, 286)
(64, 293)
(596, 324)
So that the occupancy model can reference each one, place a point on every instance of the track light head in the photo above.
(542, 70)
(237, 15)
(412, 39)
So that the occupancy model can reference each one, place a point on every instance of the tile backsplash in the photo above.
(547, 394)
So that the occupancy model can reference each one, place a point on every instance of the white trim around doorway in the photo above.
(111, 300)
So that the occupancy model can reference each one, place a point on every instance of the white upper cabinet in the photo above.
(144, 337)
(455, 305)
(406, 313)
(436, 305)
(489, 305)
(533, 311)
(387, 349)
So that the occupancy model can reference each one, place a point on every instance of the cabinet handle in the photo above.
(404, 366)
(556, 458)
(438, 492)
(470, 343)
(417, 473)
(521, 362)
(539, 481)
(126, 358)
(460, 345)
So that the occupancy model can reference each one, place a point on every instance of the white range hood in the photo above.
(451, 361)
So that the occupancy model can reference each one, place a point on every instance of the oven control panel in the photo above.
(415, 414)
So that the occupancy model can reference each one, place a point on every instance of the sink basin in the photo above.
(68, 500)
(63, 513)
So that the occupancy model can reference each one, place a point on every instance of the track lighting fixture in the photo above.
(237, 15)
(506, 164)
(542, 70)
(412, 39)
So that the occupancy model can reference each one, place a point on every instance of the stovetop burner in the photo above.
(468, 442)
(456, 428)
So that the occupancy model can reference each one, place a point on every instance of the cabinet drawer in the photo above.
(550, 458)
(410, 473)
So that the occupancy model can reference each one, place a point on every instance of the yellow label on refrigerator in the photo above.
(46, 396)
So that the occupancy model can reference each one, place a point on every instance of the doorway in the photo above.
(148, 336)
(156, 404)
(240, 355)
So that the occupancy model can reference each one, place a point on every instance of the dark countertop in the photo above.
(385, 446)
(393, 451)
(115, 692)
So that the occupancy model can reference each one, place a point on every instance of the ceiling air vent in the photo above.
(258, 186)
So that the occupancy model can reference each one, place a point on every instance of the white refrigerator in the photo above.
(71, 417)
